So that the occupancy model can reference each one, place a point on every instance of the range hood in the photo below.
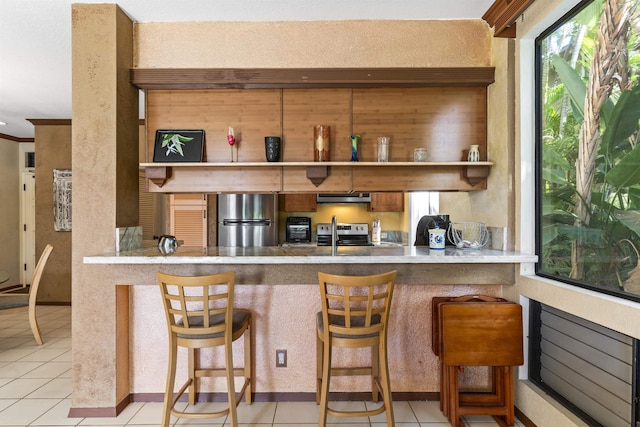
(344, 198)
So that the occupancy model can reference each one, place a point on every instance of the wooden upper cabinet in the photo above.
(387, 202)
(441, 109)
(300, 202)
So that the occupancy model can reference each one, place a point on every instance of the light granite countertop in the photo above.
(313, 255)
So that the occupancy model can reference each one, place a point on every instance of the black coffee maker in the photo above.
(429, 222)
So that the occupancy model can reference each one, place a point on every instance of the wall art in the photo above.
(62, 199)
(178, 146)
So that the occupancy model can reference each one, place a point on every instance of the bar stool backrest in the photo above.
(198, 307)
(356, 306)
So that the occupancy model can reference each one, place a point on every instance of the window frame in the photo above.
(538, 184)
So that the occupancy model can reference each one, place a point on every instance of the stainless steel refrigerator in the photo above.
(246, 220)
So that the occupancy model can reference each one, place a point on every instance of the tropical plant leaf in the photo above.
(630, 218)
(623, 120)
(555, 176)
(549, 232)
(584, 235)
(576, 88)
(627, 171)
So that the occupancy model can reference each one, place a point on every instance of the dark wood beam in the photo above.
(250, 78)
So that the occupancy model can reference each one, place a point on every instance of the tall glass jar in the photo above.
(321, 143)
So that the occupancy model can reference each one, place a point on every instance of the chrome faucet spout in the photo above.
(334, 236)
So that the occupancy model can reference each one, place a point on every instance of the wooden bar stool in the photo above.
(200, 314)
(480, 334)
(355, 313)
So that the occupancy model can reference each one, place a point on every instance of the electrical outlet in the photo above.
(281, 358)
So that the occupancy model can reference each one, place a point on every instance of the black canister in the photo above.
(272, 148)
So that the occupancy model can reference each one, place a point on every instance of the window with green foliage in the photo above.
(588, 151)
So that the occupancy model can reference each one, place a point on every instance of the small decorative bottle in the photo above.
(474, 154)
(354, 147)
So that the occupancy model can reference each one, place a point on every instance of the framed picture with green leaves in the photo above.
(178, 145)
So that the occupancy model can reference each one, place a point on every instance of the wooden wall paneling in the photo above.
(262, 179)
(409, 178)
(305, 108)
(294, 179)
(445, 120)
(253, 114)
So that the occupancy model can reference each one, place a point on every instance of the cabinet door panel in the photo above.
(300, 202)
(387, 202)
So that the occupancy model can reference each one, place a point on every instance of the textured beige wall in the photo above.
(105, 157)
(9, 197)
(53, 148)
(495, 205)
(313, 44)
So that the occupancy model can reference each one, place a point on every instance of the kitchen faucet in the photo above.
(334, 236)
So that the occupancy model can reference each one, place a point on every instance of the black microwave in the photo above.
(298, 229)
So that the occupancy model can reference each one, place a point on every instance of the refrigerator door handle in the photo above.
(255, 222)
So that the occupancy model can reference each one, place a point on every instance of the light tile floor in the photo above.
(35, 389)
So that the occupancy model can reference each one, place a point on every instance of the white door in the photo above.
(28, 239)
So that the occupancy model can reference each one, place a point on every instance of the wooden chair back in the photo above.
(355, 306)
(13, 302)
(198, 308)
(37, 274)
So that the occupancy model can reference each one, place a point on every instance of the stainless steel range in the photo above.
(348, 234)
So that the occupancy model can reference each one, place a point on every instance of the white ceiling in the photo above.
(35, 39)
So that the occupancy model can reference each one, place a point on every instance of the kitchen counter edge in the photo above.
(309, 255)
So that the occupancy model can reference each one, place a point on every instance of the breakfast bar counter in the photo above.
(123, 357)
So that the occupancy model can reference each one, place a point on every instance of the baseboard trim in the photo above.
(257, 397)
(524, 419)
(104, 412)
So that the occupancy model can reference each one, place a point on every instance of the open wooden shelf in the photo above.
(316, 172)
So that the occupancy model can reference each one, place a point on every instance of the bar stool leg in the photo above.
(193, 355)
(248, 357)
(319, 364)
(375, 372)
(231, 389)
(386, 384)
(171, 379)
(324, 389)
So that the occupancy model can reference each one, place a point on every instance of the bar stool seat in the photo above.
(200, 314)
(479, 334)
(355, 314)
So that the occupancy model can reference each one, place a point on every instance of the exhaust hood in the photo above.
(344, 198)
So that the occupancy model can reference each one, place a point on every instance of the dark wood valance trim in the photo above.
(503, 13)
(257, 78)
